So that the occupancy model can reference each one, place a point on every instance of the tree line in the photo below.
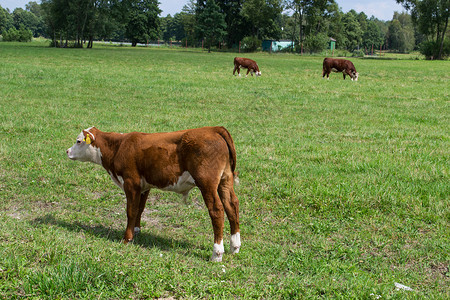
(309, 24)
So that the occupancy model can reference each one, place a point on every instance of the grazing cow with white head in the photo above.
(171, 161)
(250, 65)
(339, 65)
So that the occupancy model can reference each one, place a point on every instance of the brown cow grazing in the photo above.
(247, 63)
(171, 161)
(339, 65)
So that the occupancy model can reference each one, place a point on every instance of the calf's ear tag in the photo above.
(88, 139)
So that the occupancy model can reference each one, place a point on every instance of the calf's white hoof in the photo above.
(235, 243)
(218, 251)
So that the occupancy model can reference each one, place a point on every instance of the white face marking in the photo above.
(258, 73)
(218, 251)
(356, 76)
(84, 152)
(235, 243)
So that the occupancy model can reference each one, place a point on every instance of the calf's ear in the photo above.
(88, 138)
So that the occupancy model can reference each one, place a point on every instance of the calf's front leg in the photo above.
(236, 68)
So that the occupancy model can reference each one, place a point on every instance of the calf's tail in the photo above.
(229, 140)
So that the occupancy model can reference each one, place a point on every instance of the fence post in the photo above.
(202, 44)
(239, 46)
(372, 49)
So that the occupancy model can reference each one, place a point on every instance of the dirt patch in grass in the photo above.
(440, 270)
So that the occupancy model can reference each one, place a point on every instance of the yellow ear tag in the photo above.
(88, 140)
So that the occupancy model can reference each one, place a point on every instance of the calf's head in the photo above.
(354, 75)
(84, 148)
(256, 70)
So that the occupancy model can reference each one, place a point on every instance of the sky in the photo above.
(381, 9)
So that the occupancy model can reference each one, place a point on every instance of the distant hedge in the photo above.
(430, 49)
(14, 35)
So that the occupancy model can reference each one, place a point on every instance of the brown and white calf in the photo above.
(250, 65)
(339, 65)
(171, 161)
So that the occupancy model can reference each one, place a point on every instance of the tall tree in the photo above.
(69, 19)
(336, 28)
(188, 21)
(352, 29)
(26, 19)
(172, 27)
(237, 27)
(211, 24)
(78, 20)
(35, 8)
(313, 17)
(373, 36)
(401, 33)
(143, 21)
(362, 20)
(432, 17)
(299, 7)
(6, 20)
(262, 16)
(104, 23)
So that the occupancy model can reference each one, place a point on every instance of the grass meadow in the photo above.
(344, 186)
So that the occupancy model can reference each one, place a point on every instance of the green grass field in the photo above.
(344, 185)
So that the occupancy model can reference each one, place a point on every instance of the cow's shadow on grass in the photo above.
(143, 239)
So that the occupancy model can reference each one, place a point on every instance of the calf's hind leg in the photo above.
(215, 209)
(231, 205)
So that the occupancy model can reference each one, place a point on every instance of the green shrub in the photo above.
(358, 53)
(430, 49)
(250, 44)
(21, 35)
(11, 35)
(316, 42)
